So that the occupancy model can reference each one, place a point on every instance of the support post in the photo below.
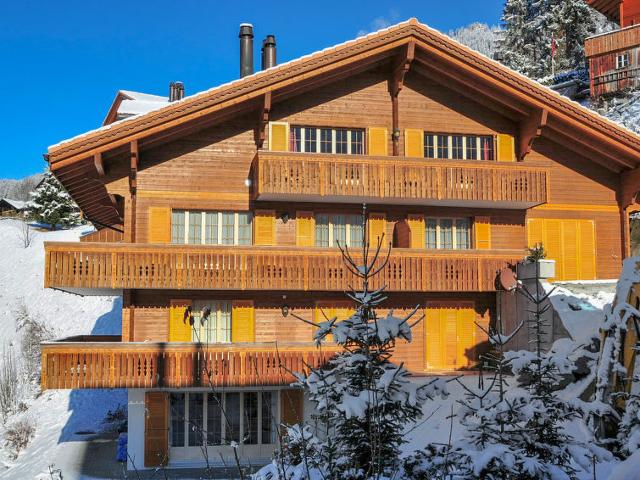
(396, 83)
(263, 120)
(130, 226)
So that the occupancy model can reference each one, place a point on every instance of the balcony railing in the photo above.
(83, 267)
(324, 177)
(103, 362)
(617, 40)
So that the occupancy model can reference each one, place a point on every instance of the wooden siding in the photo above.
(103, 235)
(298, 175)
(116, 266)
(609, 42)
(71, 365)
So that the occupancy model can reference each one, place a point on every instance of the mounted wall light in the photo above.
(285, 307)
(284, 217)
(396, 134)
(247, 182)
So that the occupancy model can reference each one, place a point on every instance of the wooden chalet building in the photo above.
(614, 57)
(235, 197)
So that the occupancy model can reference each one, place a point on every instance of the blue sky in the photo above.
(61, 62)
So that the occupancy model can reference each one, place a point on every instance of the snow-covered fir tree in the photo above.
(479, 36)
(50, 204)
(513, 44)
(364, 402)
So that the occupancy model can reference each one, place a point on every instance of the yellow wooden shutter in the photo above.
(416, 225)
(278, 137)
(377, 141)
(264, 224)
(570, 257)
(449, 325)
(413, 143)
(587, 250)
(305, 229)
(243, 322)
(179, 329)
(159, 225)
(291, 406)
(535, 231)
(483, 233)
(553, 244)
(156, 429)
(433, 339)
(506, 148)
(466, 330)
(377, 227)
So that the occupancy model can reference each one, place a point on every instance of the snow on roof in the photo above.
(17, 204)
(161, 105)
(137, 103)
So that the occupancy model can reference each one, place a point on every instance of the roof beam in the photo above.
(263, 119)
(630, 188)
(580, 149)
(98, 163)
(396, 82)
(530, 129)
(133, 169)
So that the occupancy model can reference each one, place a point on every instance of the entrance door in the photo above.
(449, 336)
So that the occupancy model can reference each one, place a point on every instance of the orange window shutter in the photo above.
(377, 227)
(156, 429)
(449, 322)
(553, 244)
(433, 339)
(159, 225)
(377, 141)
(179, 328)
(413, 143)
(506, 148)
(587, 249)
(278, 137)
(482, 227)
(535, 231)
(243, 322)
(305, 229)
(570, 256)
(264, 222)
(466, 331)
(291, 406)
(416, 225)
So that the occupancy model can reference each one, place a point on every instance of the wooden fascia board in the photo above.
(530, 129)
(570, 144)
(131, 130)
(532, 95)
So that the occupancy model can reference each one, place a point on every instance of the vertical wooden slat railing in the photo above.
(85, 365)
(299, 174)
(89, 265)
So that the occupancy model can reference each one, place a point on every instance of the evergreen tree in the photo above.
(364, 402)
(51, 204)
(512, 47)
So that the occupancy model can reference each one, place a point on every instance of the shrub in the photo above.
(18, 435)
(9, 384)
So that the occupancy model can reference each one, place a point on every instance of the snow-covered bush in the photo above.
(9, 383)
(364, 402)
(33, 334)
(18, 434)
(50, 204)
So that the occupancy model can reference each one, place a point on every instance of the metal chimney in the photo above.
(176, 91)
(269, 52)
(246, 49)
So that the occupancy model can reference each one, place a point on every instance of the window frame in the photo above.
(454, 233)
(223, 326)
(351, 140)
(622, 60)
(468, 148)
(223, 424)
(331, 225)
(220, 226)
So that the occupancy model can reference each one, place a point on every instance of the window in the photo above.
(332, 230)
(326, 140)
(216, 327)
(622, 60)
(447, 233)
(458, 147)
(221, 418)
(211, 228)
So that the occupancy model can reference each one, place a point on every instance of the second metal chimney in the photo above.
(269, 52)
(246, 49)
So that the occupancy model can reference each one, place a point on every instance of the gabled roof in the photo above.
(128, 103)
(17, 204)
(602, 140)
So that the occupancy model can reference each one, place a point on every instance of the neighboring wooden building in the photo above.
(235, 198)
(614, 57)
(12, 208)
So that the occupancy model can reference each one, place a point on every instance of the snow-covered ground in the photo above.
(62, 418)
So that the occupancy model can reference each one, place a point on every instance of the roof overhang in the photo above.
(609, 8)
(537, 109)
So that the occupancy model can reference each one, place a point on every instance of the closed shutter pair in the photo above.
(450, 337)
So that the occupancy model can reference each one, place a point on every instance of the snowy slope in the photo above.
(58, 415)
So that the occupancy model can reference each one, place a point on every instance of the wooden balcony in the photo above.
(314, 177)
(103, 268)
(623, 39)
(105, 362)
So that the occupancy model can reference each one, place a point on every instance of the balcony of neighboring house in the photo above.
(613, 62)
(318, 177)
(106, 268)
(106, 362)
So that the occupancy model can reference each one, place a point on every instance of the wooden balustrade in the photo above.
(616, 40)
(71, 365)
(317, 176)
(81, 266)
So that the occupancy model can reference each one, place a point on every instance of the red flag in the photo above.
(553, 47)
